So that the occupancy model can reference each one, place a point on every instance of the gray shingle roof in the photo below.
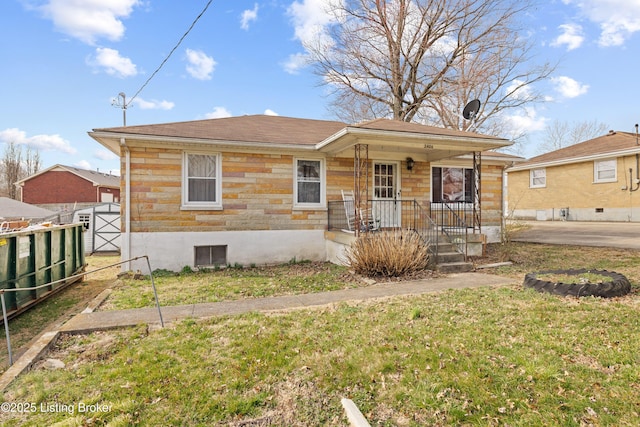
(98, 178)
(611, 144)
(13, 210)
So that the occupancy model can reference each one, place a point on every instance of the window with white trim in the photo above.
(309, 187)
(538, 178)
(201, 186)
(605, 171)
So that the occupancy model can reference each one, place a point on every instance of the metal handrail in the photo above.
(458, 224)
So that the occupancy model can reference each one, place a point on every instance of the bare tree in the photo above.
(560, 134)
(14, 167)
(32, 162)
(423, 60)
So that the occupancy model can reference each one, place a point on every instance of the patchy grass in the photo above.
(484, 356)
(188, 287)
(58, 308)
(534, 257)
(504, 356)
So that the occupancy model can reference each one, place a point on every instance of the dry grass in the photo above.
(388, 254)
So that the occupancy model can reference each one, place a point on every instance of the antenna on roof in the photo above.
(116, 103)
(471, 110)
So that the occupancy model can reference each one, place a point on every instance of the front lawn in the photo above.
(484, 356)
(503, 356)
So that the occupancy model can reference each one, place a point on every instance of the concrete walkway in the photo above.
(90, 321)
(99, 320)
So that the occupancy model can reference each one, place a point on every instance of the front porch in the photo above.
(448, 228)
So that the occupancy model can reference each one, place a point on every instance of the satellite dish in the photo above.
(471, 109)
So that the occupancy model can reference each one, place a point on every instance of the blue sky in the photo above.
(65, 61)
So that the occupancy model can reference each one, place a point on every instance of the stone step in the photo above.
(455, 267)
(444, 257)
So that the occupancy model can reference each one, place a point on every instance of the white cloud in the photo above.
(39, 142)
(269, 112)
(518, 90)
(112, 63)
(618, 19)
(295, 62)
(104, 155)
(571, 36)
(153, 104)
(568, 87)
(218, 113)
(83, 164)
(310, 19)
(249, 16)
(89, 20)
(200, 64)
(525, 122)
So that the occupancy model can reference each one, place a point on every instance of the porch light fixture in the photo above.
(410, 163)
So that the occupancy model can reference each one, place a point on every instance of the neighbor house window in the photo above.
(201, 181)
(604, 171)
(309, 183)
(452, 184)
(538, 178)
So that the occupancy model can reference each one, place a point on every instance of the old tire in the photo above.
(618, 286)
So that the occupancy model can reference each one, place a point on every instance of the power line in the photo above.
(169, 55)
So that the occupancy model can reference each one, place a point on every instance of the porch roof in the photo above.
(390, 137)
(397, 138)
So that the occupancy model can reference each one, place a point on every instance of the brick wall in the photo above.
(257, 192)
(572, 185)
(58, 187)
(491, 194)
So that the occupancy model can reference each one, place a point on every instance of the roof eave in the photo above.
(113, 141)
(350, 136)
(579, 159)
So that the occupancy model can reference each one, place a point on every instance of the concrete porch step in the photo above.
(455, 267)
(445, 257)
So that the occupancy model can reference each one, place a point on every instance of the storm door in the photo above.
(386, 194)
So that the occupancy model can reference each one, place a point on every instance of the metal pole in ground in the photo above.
(155, 293)
(6, 327)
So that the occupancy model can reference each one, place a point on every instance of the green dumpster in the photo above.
(35, 259)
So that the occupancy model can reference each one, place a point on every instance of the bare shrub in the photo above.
(388, 254)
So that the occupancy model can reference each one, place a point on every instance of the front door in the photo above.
(386, 193)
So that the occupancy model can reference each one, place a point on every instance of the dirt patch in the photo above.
(28, 326)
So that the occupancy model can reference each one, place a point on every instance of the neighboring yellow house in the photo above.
(267, 189)
(595, 180)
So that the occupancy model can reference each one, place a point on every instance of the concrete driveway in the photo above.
(610, 234)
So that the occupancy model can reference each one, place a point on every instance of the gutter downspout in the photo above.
(126, 246)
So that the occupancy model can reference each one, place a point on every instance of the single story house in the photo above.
(65, 188)
(269, 189)
(595, 180)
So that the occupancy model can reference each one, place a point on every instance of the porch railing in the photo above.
(386, 215)
(432, 221)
